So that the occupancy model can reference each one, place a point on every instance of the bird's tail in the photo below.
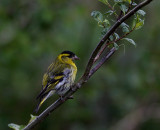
(43, 98)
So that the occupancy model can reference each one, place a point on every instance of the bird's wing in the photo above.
(52, 78)
(51, 84)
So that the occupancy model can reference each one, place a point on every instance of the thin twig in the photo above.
(108, 43)
(100, 52)
(121, 36)
(102, 61)
(120, 15)
(130, 6)
(109, 5)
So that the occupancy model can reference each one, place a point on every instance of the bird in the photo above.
(59, 77)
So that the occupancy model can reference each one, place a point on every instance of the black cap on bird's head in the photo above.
(70, 55)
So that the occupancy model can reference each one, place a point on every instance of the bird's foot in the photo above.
(62, 99)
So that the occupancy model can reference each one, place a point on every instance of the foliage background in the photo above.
(33, 33)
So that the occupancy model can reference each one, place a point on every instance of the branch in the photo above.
(102, 61)
(89, 71)
(112, 29)
(101, 51)
(108, 43)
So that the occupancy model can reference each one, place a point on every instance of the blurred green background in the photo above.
(122, 95)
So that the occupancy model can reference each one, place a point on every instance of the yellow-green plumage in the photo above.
(59, 77)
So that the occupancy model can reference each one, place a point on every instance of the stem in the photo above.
(112, 8)
(100, 52)
(102, 61)
(121, 37)
(130, 6)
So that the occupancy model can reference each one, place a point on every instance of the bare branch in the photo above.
(100, 52)
(102, 61)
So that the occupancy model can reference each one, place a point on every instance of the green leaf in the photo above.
(125, 27)
(100, 24)
(116, 35)
(110, 12)
(32, 118)
(106, 23)
(111, 37)
(134, 4)
(123, 8)
(129, 1)
(141, 12)
(116, 46)
(16, 127)
(130, 41)
(124, 24)
(97, 16)
(104, 31)
(21, 127)
(139, 24)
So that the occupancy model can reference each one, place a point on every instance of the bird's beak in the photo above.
(75, 58)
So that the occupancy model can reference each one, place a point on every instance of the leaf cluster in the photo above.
(109, 17)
